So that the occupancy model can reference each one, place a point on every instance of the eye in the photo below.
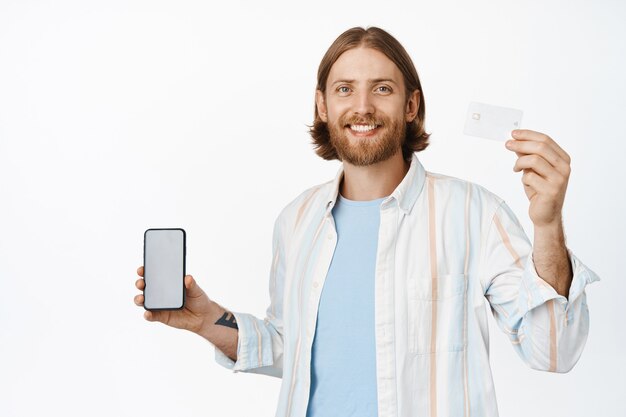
(384, 89)
(343, 89)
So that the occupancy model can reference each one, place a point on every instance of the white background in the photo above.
(118, 116)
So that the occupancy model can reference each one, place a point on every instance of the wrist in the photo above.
(207, 325)
(549, 231)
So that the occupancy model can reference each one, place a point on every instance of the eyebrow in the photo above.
(371, 81)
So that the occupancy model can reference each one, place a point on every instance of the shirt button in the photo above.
(315, 284)
(330, 236)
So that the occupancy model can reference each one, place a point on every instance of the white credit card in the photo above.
(491, 122)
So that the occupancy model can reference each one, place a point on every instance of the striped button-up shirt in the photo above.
(445, 246)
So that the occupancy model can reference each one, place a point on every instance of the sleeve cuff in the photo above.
(251, 352)
(538, 291)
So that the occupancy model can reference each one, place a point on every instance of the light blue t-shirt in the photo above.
(343, 362)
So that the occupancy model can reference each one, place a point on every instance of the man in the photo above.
(379, 277)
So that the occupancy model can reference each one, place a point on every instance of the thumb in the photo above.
(193, 289)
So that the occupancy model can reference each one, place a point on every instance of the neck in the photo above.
(363, 183)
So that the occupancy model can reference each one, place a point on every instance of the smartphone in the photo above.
(164, 253)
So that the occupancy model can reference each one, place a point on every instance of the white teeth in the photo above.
(362, 128)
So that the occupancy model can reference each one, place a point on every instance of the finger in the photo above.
(534, 181)
(193, 289)
(189, 281)
(139, 299)
(537, 164)
(531, 135)
(530, 191)
(140, 284)
(528, 147)
(552, 190)
(152, 315)
(140, 271)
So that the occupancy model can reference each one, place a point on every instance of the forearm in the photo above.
(220, 328)
(550, 257)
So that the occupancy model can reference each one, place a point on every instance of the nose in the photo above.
(363, 104)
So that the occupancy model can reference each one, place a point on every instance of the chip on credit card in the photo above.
(491, 122)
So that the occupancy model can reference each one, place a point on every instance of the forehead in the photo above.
(361, 64)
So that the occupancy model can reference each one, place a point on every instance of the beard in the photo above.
(362, 151)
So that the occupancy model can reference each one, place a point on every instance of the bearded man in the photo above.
(379, 277)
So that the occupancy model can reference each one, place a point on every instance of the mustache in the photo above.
(362, 121)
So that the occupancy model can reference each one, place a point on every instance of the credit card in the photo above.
(491, 122)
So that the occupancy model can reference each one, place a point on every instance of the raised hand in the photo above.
(546, 169)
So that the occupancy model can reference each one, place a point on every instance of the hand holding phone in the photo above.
(200, 315)
(175, 299)
(196, 311)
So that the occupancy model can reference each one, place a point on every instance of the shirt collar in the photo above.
(405, 194)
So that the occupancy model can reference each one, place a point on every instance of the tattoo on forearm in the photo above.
(228, 320)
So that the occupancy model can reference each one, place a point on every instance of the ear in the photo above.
(412, 105)
(320, 103)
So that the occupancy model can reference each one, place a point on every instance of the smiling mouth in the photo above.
(361, 129)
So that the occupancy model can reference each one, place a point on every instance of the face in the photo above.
(365, 107)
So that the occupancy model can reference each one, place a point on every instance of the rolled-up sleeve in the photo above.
(260, 342)
(547, 330)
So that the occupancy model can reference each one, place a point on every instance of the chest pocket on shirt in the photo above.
(443, 309)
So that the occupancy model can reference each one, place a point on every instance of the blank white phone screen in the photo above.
(164, 260)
